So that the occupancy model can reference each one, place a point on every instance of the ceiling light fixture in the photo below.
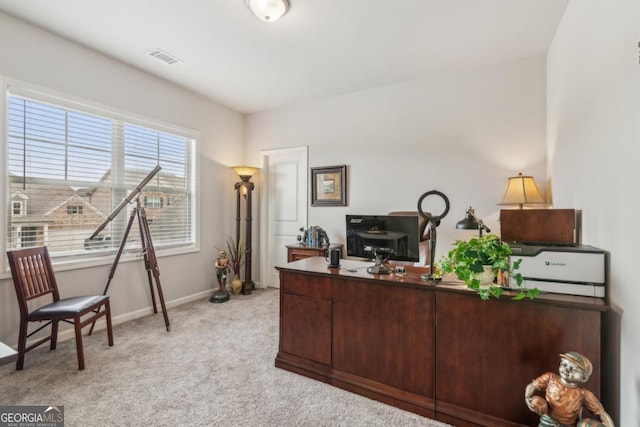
(268, 10)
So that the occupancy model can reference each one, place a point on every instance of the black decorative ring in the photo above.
(432, 217)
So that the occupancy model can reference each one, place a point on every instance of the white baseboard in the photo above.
(67, 334)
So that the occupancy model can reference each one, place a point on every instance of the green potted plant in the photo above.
(469, 260)
(235, 253)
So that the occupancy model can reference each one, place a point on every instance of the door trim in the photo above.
(264, 205)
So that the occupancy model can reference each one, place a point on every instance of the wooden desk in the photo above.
(299, 251)
(434, 349)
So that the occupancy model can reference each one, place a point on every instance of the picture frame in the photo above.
(329, 186)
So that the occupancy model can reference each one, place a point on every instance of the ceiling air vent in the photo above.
(164, 57)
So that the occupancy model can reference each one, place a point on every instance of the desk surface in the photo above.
(358, 269)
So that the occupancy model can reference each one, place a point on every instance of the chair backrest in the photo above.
(32, 274)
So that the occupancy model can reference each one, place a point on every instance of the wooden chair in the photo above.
(33, 278)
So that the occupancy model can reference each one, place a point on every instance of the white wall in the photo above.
(462, 133)
(594, 148)
(36, 57)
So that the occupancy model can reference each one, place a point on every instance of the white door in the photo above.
(284, 207)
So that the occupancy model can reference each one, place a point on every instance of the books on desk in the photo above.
(315, 237)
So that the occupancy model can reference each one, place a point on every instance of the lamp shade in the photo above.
(522, 190)
(268, 10)
(472, 222)
(245, 172)
(468, 223)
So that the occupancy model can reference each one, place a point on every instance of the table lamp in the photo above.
(472, 222)
(522, 190)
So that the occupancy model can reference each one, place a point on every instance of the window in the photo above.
(16, 208)
(76, 164)
(27, 237)
(74, 210)
(152, 202)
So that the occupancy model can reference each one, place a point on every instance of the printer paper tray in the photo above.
(584, 289)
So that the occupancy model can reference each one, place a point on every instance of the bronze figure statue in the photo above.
(564, 398)
(222, 272)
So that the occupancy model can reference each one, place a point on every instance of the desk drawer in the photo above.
(306, 285)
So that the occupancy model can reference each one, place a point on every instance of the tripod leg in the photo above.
(152, 266)
(143, 226)
(161, 297)
(114, 266)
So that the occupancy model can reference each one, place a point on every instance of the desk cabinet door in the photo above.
(488, 351)
(385, 334)
(306, 327)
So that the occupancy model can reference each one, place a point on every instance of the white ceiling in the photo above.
(320, 48)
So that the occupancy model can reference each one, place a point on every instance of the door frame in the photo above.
(265, 197)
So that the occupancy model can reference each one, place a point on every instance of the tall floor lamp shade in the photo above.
(243, 188)
(522, 190)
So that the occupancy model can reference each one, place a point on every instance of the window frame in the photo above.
(38, 94)
(75, 209)
(153, 202)
(21, 209)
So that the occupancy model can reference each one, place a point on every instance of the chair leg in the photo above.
(107, 308)
(22, 344)
(78, 328)
(54, 334)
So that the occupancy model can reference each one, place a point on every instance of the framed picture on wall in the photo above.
(329, 186)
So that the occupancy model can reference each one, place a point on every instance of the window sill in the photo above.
(109, 259)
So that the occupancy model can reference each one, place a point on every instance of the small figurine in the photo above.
(222, 271)
(564, 397)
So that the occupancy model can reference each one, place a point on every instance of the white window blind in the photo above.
(70, 167)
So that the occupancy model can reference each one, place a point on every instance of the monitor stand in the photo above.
(378, 268)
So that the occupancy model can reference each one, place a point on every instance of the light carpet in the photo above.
(214, 368)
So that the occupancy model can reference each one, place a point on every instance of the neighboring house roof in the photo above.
(21, 220)
(75, 198)
(19, 194)
(53, 200)
(160, 180)
(177, 204)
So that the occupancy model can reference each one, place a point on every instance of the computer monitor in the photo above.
(383, 237)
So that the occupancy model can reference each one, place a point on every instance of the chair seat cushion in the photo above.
(67, 307)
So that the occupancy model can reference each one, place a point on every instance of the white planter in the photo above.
(487, 276)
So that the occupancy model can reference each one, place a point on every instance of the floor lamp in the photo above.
(243, 190)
